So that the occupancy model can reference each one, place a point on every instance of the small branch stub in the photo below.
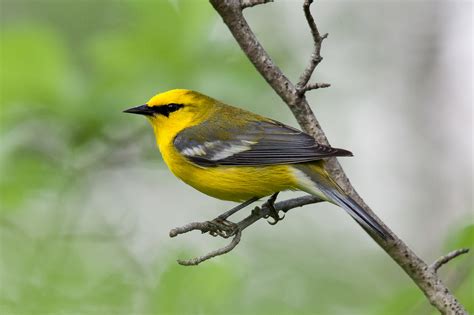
(252, 3)
(314, 86)
(447, 258)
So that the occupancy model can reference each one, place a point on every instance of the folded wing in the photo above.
(254, 143)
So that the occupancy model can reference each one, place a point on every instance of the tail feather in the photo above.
(355, 210)
(313, 179)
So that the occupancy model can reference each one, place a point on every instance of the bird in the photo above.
(233, 154)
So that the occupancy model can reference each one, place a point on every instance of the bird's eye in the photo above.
(165, 110)
(172, 107)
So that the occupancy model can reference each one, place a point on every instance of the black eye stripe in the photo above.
(165, 110)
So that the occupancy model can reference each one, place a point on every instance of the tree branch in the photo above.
(231, 12)
(226, 229)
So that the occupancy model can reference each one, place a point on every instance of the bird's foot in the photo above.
(273, 212)
(222, 227)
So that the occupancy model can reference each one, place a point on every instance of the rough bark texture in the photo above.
(423, 275)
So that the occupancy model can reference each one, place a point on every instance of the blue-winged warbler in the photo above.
(232, 154)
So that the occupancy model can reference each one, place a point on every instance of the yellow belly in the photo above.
(230, 182)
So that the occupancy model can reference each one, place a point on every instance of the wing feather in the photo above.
(256, 143)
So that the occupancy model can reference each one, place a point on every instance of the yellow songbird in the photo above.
(233, 154)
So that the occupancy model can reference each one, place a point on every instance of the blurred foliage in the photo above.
(67, 70)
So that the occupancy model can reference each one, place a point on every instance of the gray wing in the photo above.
(256, 143)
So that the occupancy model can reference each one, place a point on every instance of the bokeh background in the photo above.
(87, 203)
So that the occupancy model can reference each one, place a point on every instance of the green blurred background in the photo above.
(86, 202)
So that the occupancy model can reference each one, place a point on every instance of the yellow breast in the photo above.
(229, 182)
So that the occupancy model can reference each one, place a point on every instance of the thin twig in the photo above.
(445, 259)
(221, 251)
(201, 226)
(215, 227)
(302, 85)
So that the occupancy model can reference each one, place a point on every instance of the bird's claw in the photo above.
(273, 212)
(276, 218)
(222, 227)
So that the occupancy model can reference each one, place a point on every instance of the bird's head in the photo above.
(175, 109)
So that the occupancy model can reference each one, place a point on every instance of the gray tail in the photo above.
(355, 210)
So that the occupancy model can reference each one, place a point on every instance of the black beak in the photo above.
(140, 110)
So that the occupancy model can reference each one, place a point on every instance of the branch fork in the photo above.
(226, 229)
